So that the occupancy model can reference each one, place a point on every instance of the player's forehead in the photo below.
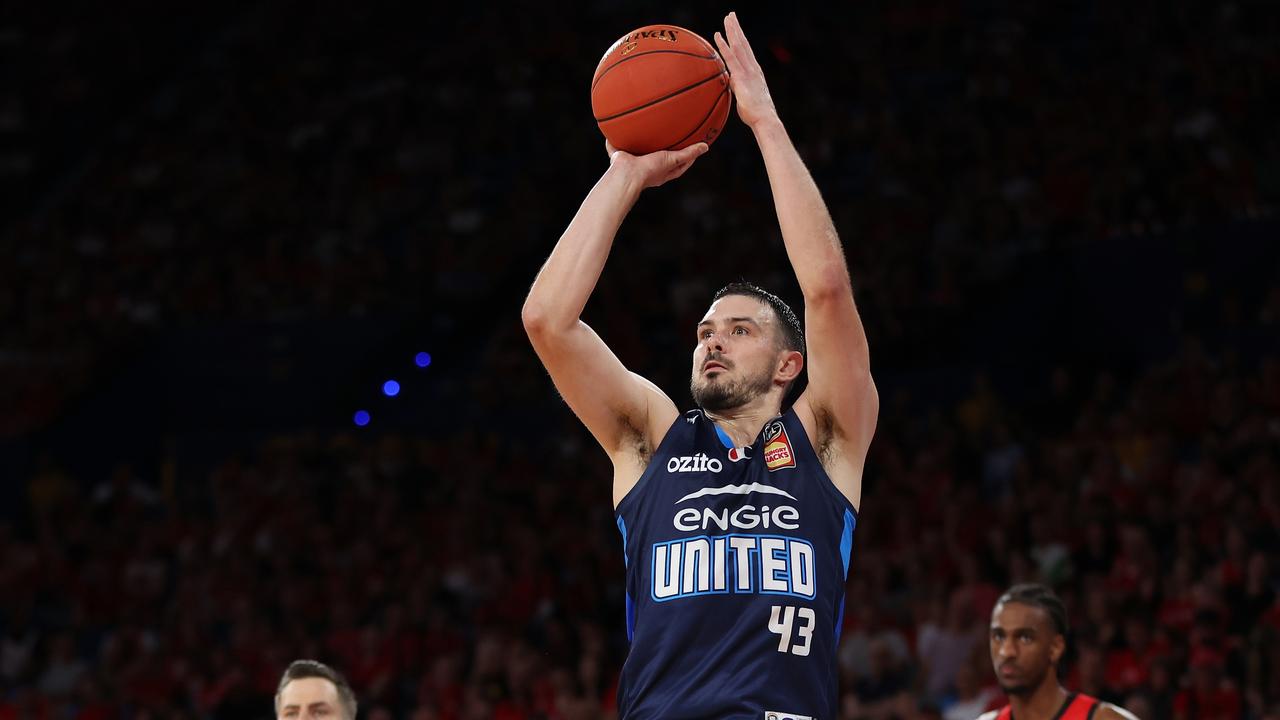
(1014, 615)
(731, 306)
(308, 691)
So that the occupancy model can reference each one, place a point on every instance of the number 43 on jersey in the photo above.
(782, 618)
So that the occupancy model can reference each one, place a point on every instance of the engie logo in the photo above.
(771, 715)
(694, 463)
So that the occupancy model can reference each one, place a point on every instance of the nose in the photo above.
(1008, 649)
(713, 341)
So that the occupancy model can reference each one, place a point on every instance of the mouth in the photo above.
(713, 365)
(1008, 670)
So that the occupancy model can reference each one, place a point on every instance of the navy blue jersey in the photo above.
(736, 565)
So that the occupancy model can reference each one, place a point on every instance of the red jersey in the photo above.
(1077, 707)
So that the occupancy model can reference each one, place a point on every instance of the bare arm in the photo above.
(622, 410)
(840, 405)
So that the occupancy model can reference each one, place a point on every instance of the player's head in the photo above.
(310, 689)
(1028, 637)
(750, 343)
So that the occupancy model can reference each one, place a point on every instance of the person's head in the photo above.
(750, 344)
(311, 689)
(1028, 638)
(880, 657)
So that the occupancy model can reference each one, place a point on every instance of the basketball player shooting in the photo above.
(1028, 637)
(737, 517)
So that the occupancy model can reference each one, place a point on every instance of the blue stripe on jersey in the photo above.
(724, 436)
(622, 528)
(631, 618)
(840, 621)
(846, 545)
(846, 549)
(631, 606)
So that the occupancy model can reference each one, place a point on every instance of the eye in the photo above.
(704, 334)
(740, 330)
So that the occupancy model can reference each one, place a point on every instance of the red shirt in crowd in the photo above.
(1220, 703)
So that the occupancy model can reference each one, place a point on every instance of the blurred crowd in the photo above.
(293, 162)
(478, 574)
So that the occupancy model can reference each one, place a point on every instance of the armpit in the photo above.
(633, 437)
(824, 432)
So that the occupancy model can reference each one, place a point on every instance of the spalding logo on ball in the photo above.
(660, 87)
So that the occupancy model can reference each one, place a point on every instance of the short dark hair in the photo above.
(792, 336)
(1040, 596)
(299, 669)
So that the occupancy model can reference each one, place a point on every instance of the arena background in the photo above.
(225, 228)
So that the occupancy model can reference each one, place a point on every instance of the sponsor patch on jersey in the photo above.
(739, 454)
(774, 715)
(777, 447)
(694, 463)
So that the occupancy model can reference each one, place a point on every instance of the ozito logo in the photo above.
(694, 463)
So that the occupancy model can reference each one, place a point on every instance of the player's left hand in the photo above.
(656, 168)
(755, 104)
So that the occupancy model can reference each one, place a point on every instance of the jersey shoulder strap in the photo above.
(1077, 707)
(1081, 707)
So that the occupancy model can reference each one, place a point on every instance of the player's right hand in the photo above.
(655, 168)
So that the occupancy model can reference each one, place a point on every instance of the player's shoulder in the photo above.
(992, 715)
(1107, 711)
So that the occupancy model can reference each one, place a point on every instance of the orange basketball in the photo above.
(660, 88)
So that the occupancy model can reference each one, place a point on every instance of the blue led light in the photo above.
(422, 359)
(391, 388)
(361, 418)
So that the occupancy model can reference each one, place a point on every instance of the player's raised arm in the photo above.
(622, 410)
(840, 405)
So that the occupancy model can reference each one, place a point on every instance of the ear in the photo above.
(1057, 648)
(790, 363)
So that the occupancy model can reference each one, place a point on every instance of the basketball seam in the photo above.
(714, 105)
(664, 97)
(712, 56)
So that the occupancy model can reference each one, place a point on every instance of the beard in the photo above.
(721, 394)
(1020, 690)
(1027, 686)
